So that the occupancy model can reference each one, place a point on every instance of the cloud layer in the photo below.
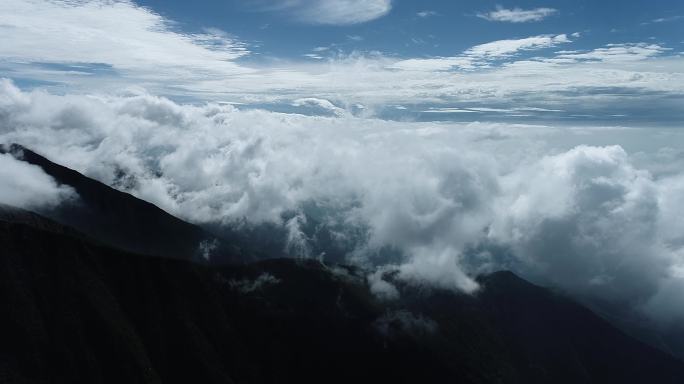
(436, 202)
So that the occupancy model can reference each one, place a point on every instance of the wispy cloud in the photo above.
(332, 12)
(508, 47)
(425, 14)
(614, 53)
(517, 15)
(481, 55)
(664, 20)
(132, 40)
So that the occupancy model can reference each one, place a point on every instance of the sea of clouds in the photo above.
(450, 200)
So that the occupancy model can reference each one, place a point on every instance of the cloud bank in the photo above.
(436, 202)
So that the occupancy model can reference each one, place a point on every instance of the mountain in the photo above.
(79, 311)
(123, 221)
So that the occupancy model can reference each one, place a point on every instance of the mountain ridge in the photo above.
(77, 311)
(121, 220)
(80, 309)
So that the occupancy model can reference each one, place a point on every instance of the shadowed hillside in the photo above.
(75, 311)
(121, 220)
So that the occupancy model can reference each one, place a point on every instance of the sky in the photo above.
(440, 139)
(610, 61)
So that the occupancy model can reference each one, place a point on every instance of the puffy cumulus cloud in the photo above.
(587, 220)
(333, 12)
(434, 203)
(517, 15)
(27, 186)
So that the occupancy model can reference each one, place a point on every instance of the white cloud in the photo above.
(296, 244)
(563, 211)
(323, 104)
(664, 20)
(430, 192)
(482, 55)
(131, 40)
(380, 287)
(508, 47)
(518, 15)
(313, 56)
(425, 14)
(27, 186)
(556, 207)
(332, 12)
(614, 53)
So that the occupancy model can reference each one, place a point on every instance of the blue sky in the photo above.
(616, 62)
(445, 28)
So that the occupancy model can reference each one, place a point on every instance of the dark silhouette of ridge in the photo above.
(122, 220)
(105, 290)
(76, 311)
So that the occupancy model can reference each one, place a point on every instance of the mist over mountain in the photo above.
(439, 202)
(184, 321)
(292, 190)
(77, 311)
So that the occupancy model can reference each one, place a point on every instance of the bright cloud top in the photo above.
(518, 15)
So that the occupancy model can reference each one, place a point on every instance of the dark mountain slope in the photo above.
(121, 220)
(584, 347)
(75, 312)
(78, 312)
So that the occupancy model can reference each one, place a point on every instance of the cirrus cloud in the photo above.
(331, 12)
